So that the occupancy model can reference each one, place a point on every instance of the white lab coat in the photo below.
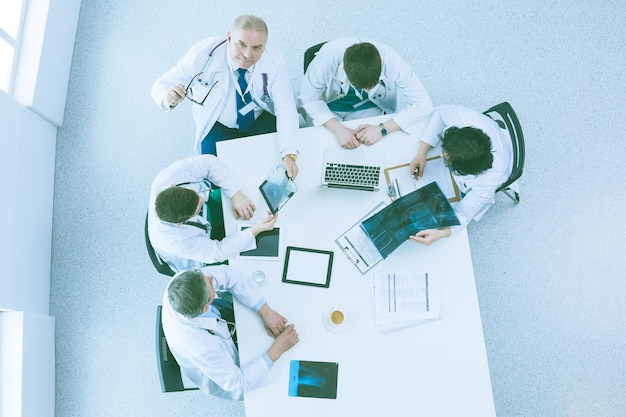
(479, 189)
(185, 246)
(211, 361)
(280, 102)
(325, 81)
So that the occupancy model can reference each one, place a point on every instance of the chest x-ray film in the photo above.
(277, 189)
(424, 208)
(313, 379)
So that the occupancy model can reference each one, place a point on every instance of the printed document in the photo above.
(401, 182)
(405, 297)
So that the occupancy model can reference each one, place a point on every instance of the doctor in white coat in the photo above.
(200, 338)
(352, 78)
(237, 86)
(179, 235)
(480, 155)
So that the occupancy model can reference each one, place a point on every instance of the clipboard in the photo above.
(400, 181)
(357, 245)
(374, 237)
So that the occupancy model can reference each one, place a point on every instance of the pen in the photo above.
(417, 171)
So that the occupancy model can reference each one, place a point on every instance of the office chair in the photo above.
(506, 118)
(158, 263)
(169, 370)
(310, 53)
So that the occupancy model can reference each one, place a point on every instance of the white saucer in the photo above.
(336, 327)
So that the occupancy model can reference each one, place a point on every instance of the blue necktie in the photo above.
(244, 121)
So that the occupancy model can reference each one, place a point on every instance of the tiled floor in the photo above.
(549, 272)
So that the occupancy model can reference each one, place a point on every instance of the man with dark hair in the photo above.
(237, 85)
(200, 334)
(351, 79)
(479, 154)
(177, 231)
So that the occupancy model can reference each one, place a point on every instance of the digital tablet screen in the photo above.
(268, 244)
(277, 189)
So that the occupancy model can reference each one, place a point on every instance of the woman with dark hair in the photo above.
(479, 154)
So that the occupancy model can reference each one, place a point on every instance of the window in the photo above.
(11, 22)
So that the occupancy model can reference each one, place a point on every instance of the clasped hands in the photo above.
(364, 134)
(285, 335)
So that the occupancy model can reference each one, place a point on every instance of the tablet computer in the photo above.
(306, 266)
(277, 189)
(269, 244)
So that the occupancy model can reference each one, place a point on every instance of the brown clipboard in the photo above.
(393, 193)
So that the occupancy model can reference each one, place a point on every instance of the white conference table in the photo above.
(436, 369)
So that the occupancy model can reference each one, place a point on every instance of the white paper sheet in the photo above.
(401, 178)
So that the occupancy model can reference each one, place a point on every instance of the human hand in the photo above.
(284, 341)
(429, 236)
(347, 138)
(417, 165)
(368, 134)
(176, 94)
(264, 224)
(242, 206)
(274, 323)
(290, 166)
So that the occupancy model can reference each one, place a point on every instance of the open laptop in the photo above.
(353, 169)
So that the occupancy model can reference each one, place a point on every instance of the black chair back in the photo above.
(158, 263)
(309, 54)
(506, 118)
(169, 370)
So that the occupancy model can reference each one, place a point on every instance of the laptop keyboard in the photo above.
(352, 175)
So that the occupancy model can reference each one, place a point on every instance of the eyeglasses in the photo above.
(189, 89)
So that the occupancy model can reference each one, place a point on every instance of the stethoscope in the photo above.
(216, 333)
(266, 95)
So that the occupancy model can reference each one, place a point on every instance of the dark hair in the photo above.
(468, 150)
(188, 293)
(176, 204)
(363, 65)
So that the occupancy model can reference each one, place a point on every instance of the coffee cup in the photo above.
(336, 317)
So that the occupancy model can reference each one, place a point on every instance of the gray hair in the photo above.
(250, 23)
(188, 293)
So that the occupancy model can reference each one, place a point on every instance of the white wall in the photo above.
(28, 131)
(27, 364)
(28, 165)
(46, 56)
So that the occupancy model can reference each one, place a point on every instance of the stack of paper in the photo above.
(403, 300)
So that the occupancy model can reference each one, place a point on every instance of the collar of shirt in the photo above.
(232, 65)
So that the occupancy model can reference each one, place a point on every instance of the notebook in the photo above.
(352, 169)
